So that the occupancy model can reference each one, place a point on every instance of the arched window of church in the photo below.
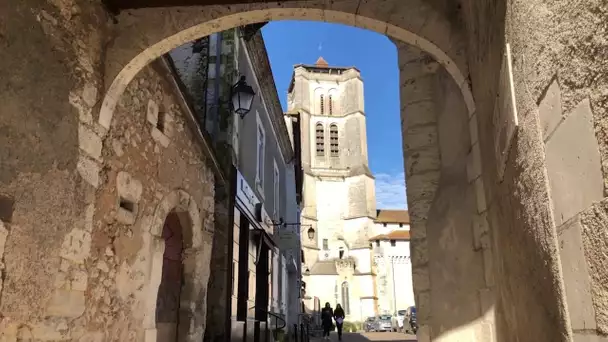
(330, 104)
(320, 139)
(345, 298)
(333, 141)
(322, 104)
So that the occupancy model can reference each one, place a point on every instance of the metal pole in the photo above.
(394, 289)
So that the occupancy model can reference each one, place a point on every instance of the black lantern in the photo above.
(311, 233)
(242, 97)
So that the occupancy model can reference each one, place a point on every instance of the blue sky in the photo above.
(294, 42)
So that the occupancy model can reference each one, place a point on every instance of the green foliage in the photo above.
(351, 326)
(280, 335)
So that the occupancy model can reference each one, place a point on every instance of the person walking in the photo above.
(327, 315)
(339, 317)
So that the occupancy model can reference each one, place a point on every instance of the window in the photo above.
(321, 105)
(331, 105)
(377, 243)
(276, 191)
(393, 243)
(400, 225)
(341, 253)
(320, 139)
(333, 140)
(302, 261)
(261, 137)
(384, 224)
(325, 245)
(345, 298)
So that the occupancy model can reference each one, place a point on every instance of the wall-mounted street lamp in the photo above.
(311, 233)
(242, 97)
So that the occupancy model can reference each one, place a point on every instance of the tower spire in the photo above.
(321, 62)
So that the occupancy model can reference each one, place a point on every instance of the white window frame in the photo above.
(276, 189)
(260, 154)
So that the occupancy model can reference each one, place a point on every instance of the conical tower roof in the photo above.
(321, 62)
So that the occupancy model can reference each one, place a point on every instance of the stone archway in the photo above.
(177, 210)
(431, 53)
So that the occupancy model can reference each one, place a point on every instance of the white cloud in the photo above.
(390, 191)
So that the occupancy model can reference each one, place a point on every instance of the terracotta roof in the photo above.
(398, 235)
(321, 62)
(392, 216)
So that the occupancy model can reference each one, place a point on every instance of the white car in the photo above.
(397, 320)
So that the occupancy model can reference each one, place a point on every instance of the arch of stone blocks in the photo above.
(426, 41)
(195, 258)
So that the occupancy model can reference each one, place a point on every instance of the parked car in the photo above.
(410, 323)
(397, 320)
(369, 324)
(382, 323)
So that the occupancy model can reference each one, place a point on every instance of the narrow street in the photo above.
(372, 336)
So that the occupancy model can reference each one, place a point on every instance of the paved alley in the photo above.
(372, 336)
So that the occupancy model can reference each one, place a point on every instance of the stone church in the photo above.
(339, 202)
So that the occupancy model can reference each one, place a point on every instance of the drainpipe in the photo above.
(216, 86)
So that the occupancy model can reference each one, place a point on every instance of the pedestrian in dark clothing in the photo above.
(327, 315)
(339, 317)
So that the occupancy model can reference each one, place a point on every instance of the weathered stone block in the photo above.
(420, 137)
(152, 112)
(88, 170)
(424, 333)
(423, 305)
(79, 280)
(422, 161)
(550, 109)
(504, 120)
(418, 114)
(67, 303)
(588, 337)
(416, 90)
(421, 278)
(488, 266)
(480, 228)
(419, 252)
(474, 163)
(422, 185)
(576, 275)
(473, 129)
(76, 246)
(574, 165)
(480, 195)
(159, 137)
(128, 187)
(89, 142)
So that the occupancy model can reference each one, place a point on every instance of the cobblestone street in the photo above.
(372, 336)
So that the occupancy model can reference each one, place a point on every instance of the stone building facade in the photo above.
(338, 196)
(137, 204)
(392, 260)
(477, 159)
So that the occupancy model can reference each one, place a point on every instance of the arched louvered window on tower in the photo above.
(320, 140)
(334, 146)
(322, 104)
(345, 298)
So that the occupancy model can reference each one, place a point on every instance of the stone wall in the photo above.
(83, 207)
(556, 49)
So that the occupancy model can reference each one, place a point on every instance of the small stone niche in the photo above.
(7, 206)
(129, 193)
(127, 211)
(161, 122)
